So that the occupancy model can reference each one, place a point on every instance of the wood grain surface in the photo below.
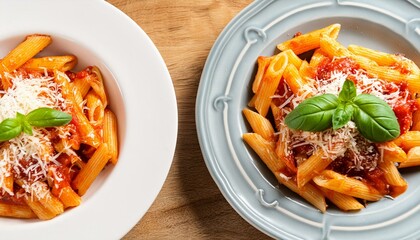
(189, 206)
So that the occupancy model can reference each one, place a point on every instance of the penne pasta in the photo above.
(259, 124)
(312, 167)
(392, 152)
(309, 41)
(263, 63)
(265, 150)
(40, 211)
(82, 85)
(309, 192)
(16, 211)
(52, 204)
(292, 58)
(77, 96)
(110, 135)
(32, 45)
(342, 201)
(69, 197)
(281, 151)
(89, 135)
(91, 170)
(293, 79)
(63, 132)
(393, 177)
(408, 140)
(61, 63)
(269, 83)
(381, 58)
(319, 106)
(7, 184)
(317, 58)
(393, 75)
(307, 73)
(332, 48)
(97, 83)
(413, 158)
(346, 185)
(95, 109)
(416, 118)
(277, 116)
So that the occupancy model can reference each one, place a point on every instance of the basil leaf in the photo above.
(313, 114)
(375, 119)
(9, 128)
(348, 91)
(47, 117)
(342, 115)
(26, 127)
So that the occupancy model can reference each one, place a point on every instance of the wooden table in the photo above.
(190, 206)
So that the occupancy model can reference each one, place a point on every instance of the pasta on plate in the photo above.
(46, 168)
(338, 124)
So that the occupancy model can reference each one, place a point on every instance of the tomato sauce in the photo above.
(404, 108)
(60, 175)
(327, 66)
(282, 93)
(404, 113)
(9, 199)
(376, 178)
(79, 75)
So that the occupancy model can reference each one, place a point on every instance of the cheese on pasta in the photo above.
(336, 143)
(29, 157)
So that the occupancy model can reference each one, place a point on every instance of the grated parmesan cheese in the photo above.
(29, 158)
(337, 143)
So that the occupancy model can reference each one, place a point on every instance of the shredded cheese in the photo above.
(337, 143)
(29, 158)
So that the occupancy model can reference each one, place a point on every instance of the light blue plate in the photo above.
(225, 87)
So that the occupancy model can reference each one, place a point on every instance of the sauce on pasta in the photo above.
(47, 169)
(345, 164)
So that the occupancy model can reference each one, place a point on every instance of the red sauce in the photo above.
(404, 108)
(64, 160)
(9, 199)
(297, 34)
(376, 179)
(27, 73)
(82, 74)
(367, 171)
(402, 66)
(290, 162)
(404, 113)
(283, 92)
(327, 66)
(25, 164)
(61, 178)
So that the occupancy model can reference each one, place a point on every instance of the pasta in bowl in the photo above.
(57, 131)
(129, 63)
(337, 125)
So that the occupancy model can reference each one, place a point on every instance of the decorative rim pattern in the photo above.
(245, 183)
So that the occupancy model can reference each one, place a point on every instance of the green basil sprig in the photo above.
(41, 117)
(373, 117)
(10, 128)
(314, 114)
(47, 117)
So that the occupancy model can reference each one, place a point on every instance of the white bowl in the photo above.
(141, 94)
